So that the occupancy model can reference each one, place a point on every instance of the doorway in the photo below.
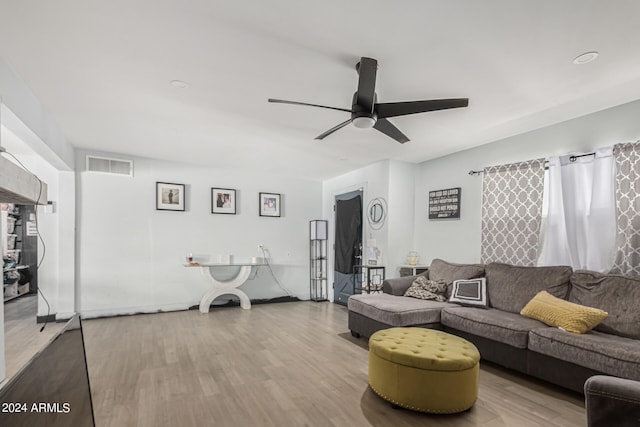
(348, 243)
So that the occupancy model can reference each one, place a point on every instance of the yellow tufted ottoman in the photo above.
(424, 369)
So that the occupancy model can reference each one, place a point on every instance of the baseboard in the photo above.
(128, 311)
(51, 318)
(236, 303)
(63, 317)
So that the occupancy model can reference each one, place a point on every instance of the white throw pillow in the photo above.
(472, 292)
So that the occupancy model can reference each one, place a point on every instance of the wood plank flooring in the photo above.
(289, 364)
(23, 338)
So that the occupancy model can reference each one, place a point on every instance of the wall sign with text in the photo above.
(444, 203)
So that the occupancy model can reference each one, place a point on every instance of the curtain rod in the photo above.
(546, 163)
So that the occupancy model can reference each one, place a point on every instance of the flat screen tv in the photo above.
(53, 388)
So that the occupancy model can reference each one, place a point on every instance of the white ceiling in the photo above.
(102, 71)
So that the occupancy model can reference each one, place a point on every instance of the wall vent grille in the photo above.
(111, 166)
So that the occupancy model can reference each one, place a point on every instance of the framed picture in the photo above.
(445, 204)
(269, 204)
(223, 201)
(169, 197)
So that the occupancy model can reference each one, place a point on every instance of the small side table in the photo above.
(369, 277)
(412, 270)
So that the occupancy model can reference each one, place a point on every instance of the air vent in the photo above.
(107, 165)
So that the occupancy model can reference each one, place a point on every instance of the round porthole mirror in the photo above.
(377, 212)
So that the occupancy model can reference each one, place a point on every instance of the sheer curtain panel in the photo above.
(580, 225)
(511, 212)
(627, 158)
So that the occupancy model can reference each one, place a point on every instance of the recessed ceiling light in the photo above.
(585, 58)
(179, 84)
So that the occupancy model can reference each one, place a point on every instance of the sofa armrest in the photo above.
(612, 401)
(399, 285)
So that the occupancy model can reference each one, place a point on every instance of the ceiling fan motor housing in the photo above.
(360, 117)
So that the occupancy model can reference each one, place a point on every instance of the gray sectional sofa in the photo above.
(507, 338)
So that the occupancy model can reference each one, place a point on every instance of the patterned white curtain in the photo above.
(512, 212)
(627, 158)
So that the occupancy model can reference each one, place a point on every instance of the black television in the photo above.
(52, 389)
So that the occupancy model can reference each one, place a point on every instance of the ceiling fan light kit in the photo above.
(367, 113)
(364, 122)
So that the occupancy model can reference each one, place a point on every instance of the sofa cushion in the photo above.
(501, 326)
(617, 295)
(571, 317)
(510, 288)
(606, 353)
(448, 271)
(396, 310)
(399, 285)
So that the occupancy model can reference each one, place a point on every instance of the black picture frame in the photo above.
(223, 201)
(445, 204)
(170, 196)
(269, 204)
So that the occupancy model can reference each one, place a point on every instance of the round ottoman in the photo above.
(424, 369)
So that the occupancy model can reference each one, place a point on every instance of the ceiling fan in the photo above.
(367, 113)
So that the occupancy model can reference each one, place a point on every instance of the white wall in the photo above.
(22, 114)
(402, 177)
(48, 278)
(55, 275)
(65, 211)
(130, 255)
(459, 240)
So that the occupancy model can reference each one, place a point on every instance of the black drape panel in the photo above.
(348, 233)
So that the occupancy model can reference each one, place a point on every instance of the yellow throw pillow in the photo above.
(566, 315)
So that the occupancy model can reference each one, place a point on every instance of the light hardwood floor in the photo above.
(23, 338)
(289, 364)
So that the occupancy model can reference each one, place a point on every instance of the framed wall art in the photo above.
(223, 201)
(169, 196)
(445, 203)
(269, 204)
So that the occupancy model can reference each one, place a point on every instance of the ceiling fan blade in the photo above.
(282, 101)
(333, 129)
(386, 127)
(367, 68)
(393, 109)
